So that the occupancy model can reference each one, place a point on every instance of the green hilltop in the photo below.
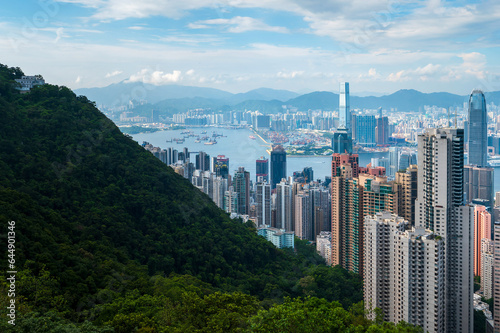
(110, 239)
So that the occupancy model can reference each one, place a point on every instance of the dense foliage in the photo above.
(108, 238)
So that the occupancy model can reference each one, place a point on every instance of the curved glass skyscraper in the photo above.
(478, 129)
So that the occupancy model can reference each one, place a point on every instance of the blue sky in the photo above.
(237, 45)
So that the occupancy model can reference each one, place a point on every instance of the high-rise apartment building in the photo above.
(284, 206)
(487, 264)
(263, 201)
(439, 208)
(241, 184)
(219, 189)
(477, 130)
(303, 216)
(407, 182)
(352, 199)
(496, 277)
(404, 272)
(278, 165)
(482, 230)
(231, 201)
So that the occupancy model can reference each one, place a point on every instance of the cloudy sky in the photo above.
(237, 45)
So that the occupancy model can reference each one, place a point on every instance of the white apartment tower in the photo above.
(284, 206)
(439, 208)
(263, 198)
(401, 267)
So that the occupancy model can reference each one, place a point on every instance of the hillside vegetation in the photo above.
(109, 239)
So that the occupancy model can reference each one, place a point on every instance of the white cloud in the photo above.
(474, 63)
(191, 39)
(115, 73)
(157, 77)
(289, 75)
(419, 73)
(78, 79)
(190, 72)
(237, 24)
(137, 27)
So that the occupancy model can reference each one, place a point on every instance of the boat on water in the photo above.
(252, 137)
(211, 142)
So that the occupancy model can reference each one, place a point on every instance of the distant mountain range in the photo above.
(170, 99)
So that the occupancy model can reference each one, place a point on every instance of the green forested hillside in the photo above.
(108, 238)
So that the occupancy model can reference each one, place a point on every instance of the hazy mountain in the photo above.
(263, 94)
(121, 93)
(172, 99)
(324, 100)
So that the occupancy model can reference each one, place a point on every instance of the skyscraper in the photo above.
(482, 230)
(478, 184)
(365, 130)
(439, 208)
(344, 107)
(203, 161)
(263, 200)
(342, 139)
(404, 273)
(221, 166)
(303, 216)
(382, 131)
(284, 206)
(262, 169)
(407, 183)
(478, 129)
(278, 165)
(241, 183)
